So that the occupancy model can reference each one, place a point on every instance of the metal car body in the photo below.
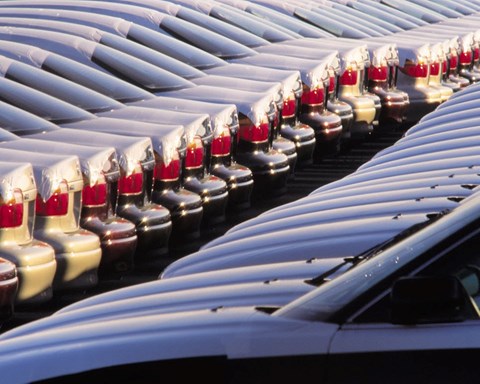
(289, 126)
(30, 282)
(57, 216)
(254, 149)
(413, 78)
(304, 333)
(153, 224)
(100, 170)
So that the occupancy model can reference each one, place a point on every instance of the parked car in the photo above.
(237, 341)
(290, 127)
(270, 168)
(57, 215)
(419, 11)
(391, 15)
(413, 77)
(218, 43)
(62, 41)
(29, 282)
(153, 223)
(277, 18)
(100, 170)
(104, 106)
(8, 293)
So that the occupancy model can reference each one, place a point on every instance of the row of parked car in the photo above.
(128, 125)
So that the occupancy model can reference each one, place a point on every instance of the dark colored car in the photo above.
(420, 295)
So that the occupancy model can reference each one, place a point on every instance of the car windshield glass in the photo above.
(21, 123)
(151, 56)
(415, 10)
(292, 24)
(97, 80)
(137, 72)
(400, 19)
(174, 48)
(59, 87)
(247, 22)
(332, 26)
(40, 104)
(202, 38)
(324, 302)
(224, 29)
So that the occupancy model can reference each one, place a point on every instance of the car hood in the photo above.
(264, 274)
(232, 333)
(348, 237)
(292, 219)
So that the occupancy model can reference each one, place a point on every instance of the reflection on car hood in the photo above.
(298, 270)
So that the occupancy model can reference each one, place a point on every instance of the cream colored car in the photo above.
(34, 259)
(57, 208)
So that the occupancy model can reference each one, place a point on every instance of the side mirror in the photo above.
(429, 299)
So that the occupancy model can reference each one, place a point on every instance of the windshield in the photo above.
(151, 56)
(329, 25)
(173, 47)
(285, 21)
(22, 123)
(247, 22)
(97, 80)
(40, 104)
(323, 303)
(137, 72)
(224, 29)
(202, 38)
(63, 89)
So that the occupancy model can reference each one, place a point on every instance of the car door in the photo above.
(377, 346)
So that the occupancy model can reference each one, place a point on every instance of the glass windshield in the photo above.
(174, 48)
(202, 38)
(151, 56)
(137, 72)
(330, 298)
(288, 22)
(332, 26)
(223, 29)
(40, 104)
(247, 22)
(21, 123)
(97, 80)
(61, 88)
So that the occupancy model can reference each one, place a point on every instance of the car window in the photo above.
(461, 260)
(151, 56)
